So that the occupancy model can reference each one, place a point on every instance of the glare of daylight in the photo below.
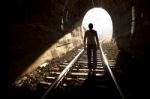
(101, 20)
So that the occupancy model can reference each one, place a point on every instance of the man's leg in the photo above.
(89, 57)
(94, 57)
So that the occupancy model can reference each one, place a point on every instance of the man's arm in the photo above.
(85, 40)
(97, 40)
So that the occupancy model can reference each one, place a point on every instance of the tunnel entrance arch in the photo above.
(101, 20)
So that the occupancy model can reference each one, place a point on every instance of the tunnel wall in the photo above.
(141, 37)
(65, 44)
(35, 35)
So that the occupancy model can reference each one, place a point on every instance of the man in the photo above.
(92, 42)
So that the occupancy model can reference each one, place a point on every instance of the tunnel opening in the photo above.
(101, 20)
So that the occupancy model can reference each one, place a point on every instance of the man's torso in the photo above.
(91, 37)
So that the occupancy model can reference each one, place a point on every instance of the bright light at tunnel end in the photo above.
(101, 20)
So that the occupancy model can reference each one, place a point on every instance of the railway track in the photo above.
(73, 79)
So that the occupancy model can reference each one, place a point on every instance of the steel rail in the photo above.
(62, 75)
(105, 60)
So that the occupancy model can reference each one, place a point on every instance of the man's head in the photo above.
(90, 26)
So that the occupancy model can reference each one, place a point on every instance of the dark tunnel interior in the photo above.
(33, 26)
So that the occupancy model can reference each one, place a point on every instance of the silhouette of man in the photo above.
(92, 42)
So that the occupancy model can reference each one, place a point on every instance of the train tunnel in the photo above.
(41, 30)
